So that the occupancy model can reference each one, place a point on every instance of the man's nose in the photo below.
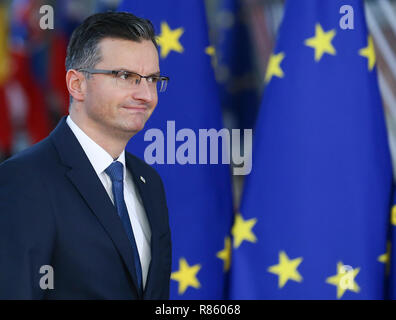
(143, 91)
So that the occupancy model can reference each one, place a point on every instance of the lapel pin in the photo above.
(141, 178)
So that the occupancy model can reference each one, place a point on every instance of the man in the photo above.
(80, 218)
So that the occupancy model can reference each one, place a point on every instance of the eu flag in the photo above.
(389, 258)
(315, 211)
(234, 52)
(198, 195)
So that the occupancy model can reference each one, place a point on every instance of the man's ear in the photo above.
(76, 84)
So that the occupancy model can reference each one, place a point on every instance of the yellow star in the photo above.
(321, 42)
(286, 269)
(393, 215)
(344, 279)
(385, 258)
(186, 276)
(225, 254)
(210, 50)
(369, 53)
(242, 230)
(274, 68)
(169, 40)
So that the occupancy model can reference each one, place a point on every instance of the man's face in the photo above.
(116, 109)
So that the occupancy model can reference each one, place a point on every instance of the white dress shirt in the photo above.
(100, 159)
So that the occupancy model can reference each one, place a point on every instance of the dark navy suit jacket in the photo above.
(55, 211)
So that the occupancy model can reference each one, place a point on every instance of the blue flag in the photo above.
(239, 87)
(315, 210)
(389, 258)
(198, 194)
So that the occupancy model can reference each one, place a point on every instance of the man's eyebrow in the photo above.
(156, 73)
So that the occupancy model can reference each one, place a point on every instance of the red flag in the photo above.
(5, 123)
(37, 121)
(57, 72)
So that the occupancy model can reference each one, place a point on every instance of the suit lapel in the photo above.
(86, 181)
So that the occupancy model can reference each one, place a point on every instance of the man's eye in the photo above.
(124, 76)
(152, 79)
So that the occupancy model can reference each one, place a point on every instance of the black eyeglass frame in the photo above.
(115, 72)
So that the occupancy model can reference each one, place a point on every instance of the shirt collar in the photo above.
(99, 157)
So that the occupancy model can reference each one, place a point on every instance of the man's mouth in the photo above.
(135, 108)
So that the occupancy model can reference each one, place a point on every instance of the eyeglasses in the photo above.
(128, 79)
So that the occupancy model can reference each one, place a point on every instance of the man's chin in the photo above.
(133, 127)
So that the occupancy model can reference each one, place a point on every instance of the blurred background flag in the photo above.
(315, 210)
(389, 258)
(235, 63)
(199, 195)
(33, 93)
(5, 121)
(26, 99)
